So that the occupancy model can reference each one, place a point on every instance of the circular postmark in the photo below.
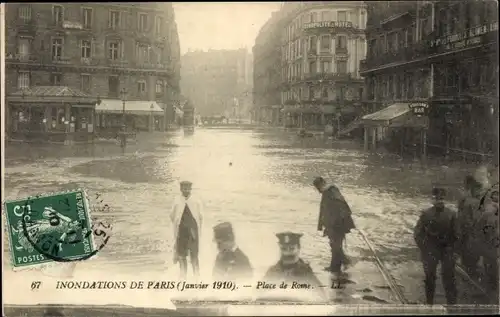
(55, 235)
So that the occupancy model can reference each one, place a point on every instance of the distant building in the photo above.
(442, 55)
(267, 105)
(218, 82)
(321, 44)
(61, 58)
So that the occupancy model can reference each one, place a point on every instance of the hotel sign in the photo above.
(469, 37)
(328, 24)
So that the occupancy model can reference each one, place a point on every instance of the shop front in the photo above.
(56, 114)
(400, 128)
(114, 115)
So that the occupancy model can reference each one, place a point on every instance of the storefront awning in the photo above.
(136, 107)
(43, 95)
(385, 116)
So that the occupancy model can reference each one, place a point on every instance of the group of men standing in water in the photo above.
(446, 236)
(335, 221)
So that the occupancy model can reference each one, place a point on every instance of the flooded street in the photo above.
(260, 181)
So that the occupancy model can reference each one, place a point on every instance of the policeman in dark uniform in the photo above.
(231, 263)
(291, 268)
(436, 235)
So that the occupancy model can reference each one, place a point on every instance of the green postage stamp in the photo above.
(50, 227)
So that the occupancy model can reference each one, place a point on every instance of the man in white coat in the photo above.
(186, 217)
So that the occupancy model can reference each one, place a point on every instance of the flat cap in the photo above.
(223, 231)
(289, 238)
(186, 183)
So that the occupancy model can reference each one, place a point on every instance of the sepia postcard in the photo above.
(250, 158)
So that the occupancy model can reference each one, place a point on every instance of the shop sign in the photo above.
(328, 24)
(469, 37)
(419, 109)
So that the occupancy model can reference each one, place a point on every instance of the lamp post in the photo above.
(123, 93)
(338, 110)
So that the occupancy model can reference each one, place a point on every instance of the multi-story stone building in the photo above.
(267, 72)
(441, 56)
(62, 57)
(322, 44)
(218, 82)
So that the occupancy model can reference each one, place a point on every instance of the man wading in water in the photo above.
(186, 217)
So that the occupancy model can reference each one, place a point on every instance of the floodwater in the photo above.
(259, 181)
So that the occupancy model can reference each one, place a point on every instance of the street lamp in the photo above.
(123, 93)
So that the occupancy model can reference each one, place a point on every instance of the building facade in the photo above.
(218, 82)
(267, 107)
(322, 44)
(61, 52)
(443, 56)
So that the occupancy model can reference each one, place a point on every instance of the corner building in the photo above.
(443, 56)
(322, 44)
(62, 58)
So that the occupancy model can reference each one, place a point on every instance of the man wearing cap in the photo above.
(468, 214)
(186, 217)
(436, 235)
(291, 268)
(335, 220)
(231, 263)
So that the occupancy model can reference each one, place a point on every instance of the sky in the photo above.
(230, 25)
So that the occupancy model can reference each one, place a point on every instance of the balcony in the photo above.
(332, 26)
(118, 63)
(18, 58)
(328, 76)
(341, 50)
(89, 61)
(151, 65)
(62, 60)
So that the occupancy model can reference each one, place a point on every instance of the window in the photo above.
(325, 66)
(23, 48)
(342, 67)
(325, 16)
(141, 87)
(57, 45)
(57, 15)
(25, 12)
(86, 46)
(142, 53)
(114, 50)
(311, 92)
(314, 17)
(340, 93)
(325, 42)
(373, 47)
(85, 87)
(23, 80)
(342, 16)
(113, 86)
(341, 42)
(87, 18)
(324, 93)
(159, 87)
(312, 67)
(114, 19)
(55, 79)
(312, 44)
(159, 25)
(143, 22)
(410, 35)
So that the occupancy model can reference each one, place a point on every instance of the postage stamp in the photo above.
(50, 227)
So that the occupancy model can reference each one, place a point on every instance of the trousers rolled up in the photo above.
(338, 255)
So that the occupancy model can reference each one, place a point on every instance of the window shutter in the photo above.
(122, 49)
